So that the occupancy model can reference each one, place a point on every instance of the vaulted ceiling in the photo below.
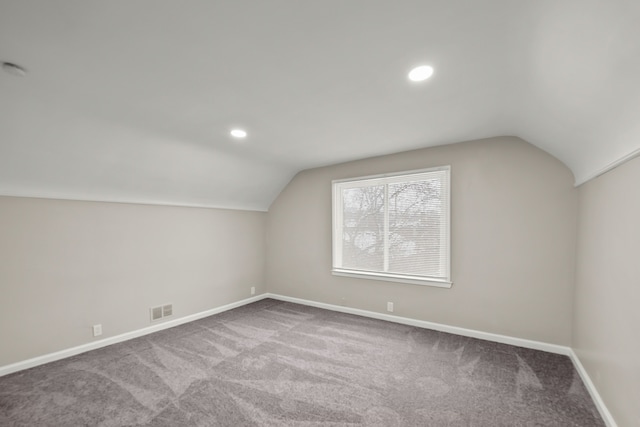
(133, 101)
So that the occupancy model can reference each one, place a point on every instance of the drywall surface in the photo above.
(606, 334)
(514, 212)
(65, 266)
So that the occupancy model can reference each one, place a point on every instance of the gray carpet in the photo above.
(273, 363)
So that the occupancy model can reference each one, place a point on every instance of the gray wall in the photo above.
(514, 211)
(607, 298)
(65, 266)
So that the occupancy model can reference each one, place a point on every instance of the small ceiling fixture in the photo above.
(420, 73)
(14, 69)
(238, 133)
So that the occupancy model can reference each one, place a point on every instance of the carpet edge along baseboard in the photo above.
(504, 339)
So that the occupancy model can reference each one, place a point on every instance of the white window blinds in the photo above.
(393, 226)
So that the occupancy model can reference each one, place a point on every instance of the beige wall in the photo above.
(607, 298)
(514, 213)
(65, 266)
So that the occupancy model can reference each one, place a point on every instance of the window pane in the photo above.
(394, 227)
(363, 228)
(415, 221)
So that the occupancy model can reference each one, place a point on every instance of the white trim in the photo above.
(385, 236)
(392, 174)
(336, 217)
(445, 234)
(602, 408)
(68, 198)
(384, 180)
(610, 166)
(390, 277)
(52, 357)
(504, 339)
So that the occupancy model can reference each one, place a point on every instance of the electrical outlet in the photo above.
(97, 330)
(390, 307)
(253, 290)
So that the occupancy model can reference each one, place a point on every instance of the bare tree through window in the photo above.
(396, 225)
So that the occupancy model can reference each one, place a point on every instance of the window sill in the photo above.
(401, 278)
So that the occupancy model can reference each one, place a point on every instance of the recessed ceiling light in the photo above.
(420, 73)
(238, 133)
(14, 69)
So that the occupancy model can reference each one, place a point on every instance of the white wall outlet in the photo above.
(390, 307)
(253, 290)
(97, 330)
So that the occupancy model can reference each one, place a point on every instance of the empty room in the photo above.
(320, 213)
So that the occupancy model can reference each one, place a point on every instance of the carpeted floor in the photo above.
(273, 363)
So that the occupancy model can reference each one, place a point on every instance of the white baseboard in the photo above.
(519, 342)
(52, 357)
(602, 408)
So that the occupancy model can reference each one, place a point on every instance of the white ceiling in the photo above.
(133, 100)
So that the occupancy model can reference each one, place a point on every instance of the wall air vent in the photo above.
(167, 310)
(161, 311)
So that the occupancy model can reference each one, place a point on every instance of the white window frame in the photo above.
(339, 185)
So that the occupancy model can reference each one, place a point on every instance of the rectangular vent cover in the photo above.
(161, 311)
(167, 310)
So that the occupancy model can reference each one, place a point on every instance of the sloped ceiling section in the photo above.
(133, 101)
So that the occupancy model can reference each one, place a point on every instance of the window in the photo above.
(393, 227)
